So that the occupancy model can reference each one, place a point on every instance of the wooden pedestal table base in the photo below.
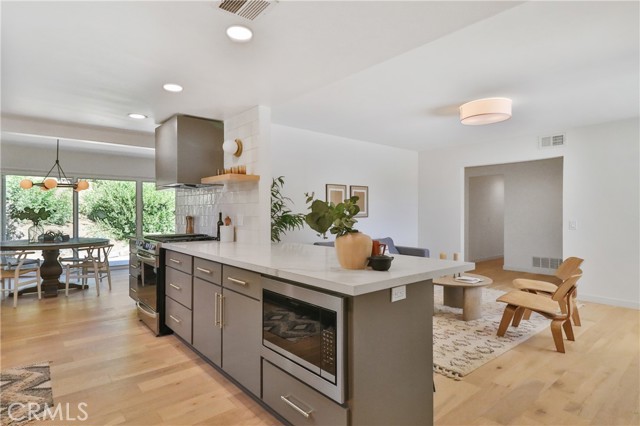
(467, 296)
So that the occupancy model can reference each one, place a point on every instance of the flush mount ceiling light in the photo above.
(239, 33)
(137, 116)
(172, 87)
(485, 111)
(233, 147)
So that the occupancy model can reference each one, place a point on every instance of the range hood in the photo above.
(187, 149)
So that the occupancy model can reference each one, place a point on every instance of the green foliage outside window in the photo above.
(57, 202)
(112, 204)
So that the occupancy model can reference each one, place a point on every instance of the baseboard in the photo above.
(484, 259)
(608, 301)
(541, 271)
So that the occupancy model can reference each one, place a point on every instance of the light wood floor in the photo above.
(103, 356)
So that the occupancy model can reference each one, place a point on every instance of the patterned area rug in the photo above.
(459, 347)
(24, 392)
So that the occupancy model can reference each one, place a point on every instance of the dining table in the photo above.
(51, 269)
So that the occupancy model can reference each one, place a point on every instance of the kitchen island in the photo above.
(384, 354)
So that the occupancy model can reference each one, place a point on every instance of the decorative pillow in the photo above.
(391, 248)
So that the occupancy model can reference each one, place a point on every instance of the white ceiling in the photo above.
(387, 72)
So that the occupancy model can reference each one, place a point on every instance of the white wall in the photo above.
(485, 217)
(601, 187)
(309, 160)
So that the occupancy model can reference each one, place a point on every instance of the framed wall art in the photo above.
(362, 192)
(336, 193)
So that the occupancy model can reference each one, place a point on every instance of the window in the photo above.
(108, 210)
(159, 210)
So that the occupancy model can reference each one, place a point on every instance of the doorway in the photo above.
(514, 211)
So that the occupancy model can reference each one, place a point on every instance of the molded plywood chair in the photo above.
(566, 269)
(15, 266)
(92, 262)
(518, 301)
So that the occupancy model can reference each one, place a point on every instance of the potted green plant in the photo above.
(35, 216)
(282, 219)
(352, 246)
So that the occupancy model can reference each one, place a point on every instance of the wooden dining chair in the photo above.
(568, 268)
(550, 307)
(91, 262)
(17, 268)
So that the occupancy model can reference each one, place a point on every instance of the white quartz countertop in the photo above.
(318, 266)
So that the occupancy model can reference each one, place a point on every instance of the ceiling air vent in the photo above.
(248, 9)
(552, 141)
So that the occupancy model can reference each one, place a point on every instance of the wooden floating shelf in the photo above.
(230, 178)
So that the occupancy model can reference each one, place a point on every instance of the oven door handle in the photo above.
(145, 259)
(151, 314)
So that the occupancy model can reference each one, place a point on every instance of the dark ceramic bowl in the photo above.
(380, 263)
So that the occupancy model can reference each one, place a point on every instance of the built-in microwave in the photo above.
(303, 333)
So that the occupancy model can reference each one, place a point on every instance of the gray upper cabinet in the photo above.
(207, 333)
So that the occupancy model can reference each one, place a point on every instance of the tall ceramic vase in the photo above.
(353, 249)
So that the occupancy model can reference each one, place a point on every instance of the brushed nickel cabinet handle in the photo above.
(132, 266)
(179, 262)
(237, 281)
(286, 399)
(221, 311)
(175, 319)
(133, 289)
(177, 287)
(206, 271)
(216, 310)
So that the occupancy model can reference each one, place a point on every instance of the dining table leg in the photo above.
(50, 271)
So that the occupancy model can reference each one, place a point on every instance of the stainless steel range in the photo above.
(146, 276)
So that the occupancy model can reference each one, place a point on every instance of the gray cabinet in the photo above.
(180, 261)
(178, 294)
(178, 319)
(207, 332)
(178, 286)
(242, 335)
(297, 402)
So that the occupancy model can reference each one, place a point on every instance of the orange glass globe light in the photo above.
(82, 185)
(26, 184)
(50, 183)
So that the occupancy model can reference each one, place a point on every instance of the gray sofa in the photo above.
(391, 247)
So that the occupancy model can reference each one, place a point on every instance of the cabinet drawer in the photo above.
(133, 288)
(178, 286)
(207, 270)
(278, 386)
(181, 262)
(178, 319)
(242, 281)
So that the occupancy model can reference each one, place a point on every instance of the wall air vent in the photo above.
(552, 141)
(248, 9)
(546, 262)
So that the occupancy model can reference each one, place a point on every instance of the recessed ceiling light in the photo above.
(137, 116)
(172, 87)
(239, 33)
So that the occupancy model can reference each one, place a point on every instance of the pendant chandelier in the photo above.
(51, 182)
